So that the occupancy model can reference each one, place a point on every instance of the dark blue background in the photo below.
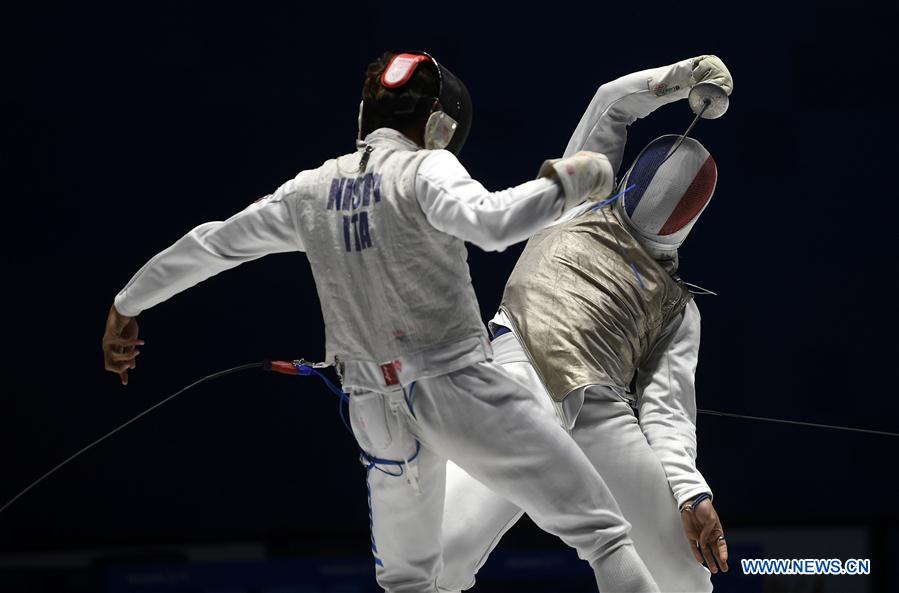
(129, 124)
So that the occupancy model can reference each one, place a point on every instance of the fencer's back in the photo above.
(390, 284)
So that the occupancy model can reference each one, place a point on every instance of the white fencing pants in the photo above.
(607, 431)
(485, 422)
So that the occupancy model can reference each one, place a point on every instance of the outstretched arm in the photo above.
(621, 102)
(667, 404)
(264, 227)
(458, 205)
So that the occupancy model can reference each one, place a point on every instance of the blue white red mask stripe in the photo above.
(670, 191)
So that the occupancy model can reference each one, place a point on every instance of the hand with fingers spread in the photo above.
(120, 344)
(703, 529)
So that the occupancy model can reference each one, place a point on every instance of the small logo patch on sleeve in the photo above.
(661, 89)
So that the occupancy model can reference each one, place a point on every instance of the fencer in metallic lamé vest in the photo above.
(579, 309)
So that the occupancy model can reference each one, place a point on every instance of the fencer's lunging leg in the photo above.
(608, 432)
(405, 526)
(486, 423)
(474, 520)
(475, 517)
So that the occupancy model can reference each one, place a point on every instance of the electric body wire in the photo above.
(59, 466)
(371, 461)
(798, 423)
(341, 394)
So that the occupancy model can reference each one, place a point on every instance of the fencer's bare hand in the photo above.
(703, 529)
(120, 344)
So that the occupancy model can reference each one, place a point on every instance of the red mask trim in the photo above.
(400, 69)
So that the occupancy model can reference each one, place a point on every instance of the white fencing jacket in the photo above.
(386, 247)
(665, 394)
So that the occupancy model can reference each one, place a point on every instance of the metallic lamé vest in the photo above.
(578, 308)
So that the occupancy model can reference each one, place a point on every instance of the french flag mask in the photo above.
(671, 189)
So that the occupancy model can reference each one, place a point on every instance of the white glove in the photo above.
(583, 175)
(712, 69)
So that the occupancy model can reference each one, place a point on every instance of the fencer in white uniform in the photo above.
(384, 230)
(594, 321)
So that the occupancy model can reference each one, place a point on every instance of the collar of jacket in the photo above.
(388, 137)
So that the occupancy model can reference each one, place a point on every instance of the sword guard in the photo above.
(708, 99)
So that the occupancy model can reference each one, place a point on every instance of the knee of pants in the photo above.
(459, 565)
(449, 582)
(405, 524)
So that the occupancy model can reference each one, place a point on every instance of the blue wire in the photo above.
(343, 419)
(378, 460)
(615, 197)
(306, 370)
(343, 397)
(637, 274)
(609, 201)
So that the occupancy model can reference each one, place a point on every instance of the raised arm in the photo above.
(618, 104)
(264, 227)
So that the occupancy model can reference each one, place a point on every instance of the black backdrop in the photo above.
(129, 124)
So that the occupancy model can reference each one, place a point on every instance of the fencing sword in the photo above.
(708, 101)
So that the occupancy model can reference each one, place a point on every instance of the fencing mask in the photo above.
(671, 189)
(449, 112)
